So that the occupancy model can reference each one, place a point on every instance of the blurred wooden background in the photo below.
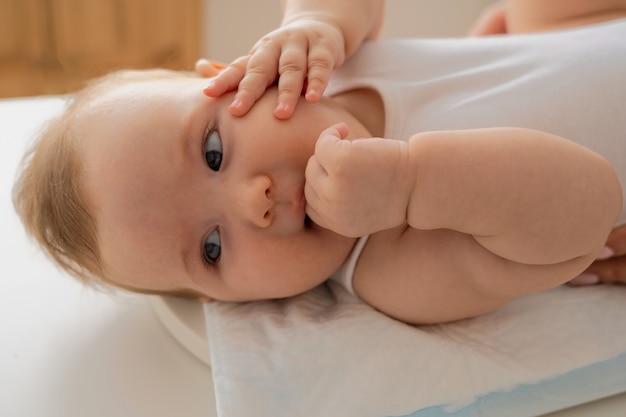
(52, 46)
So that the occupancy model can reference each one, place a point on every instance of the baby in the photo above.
(146, 184)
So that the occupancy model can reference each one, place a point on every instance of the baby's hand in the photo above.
(300, 55)
(357, 187)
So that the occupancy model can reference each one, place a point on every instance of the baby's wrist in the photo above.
(410, 173)
(329, 21)
(403, 184)
(312, 17)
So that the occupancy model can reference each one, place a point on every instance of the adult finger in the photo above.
(606, 271)
(617, 240)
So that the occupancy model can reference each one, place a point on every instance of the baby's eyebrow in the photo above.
(187, 137)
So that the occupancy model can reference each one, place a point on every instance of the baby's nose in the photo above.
(253, 200)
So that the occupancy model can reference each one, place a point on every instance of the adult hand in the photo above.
(357, 187)
(611, 265)
(299, 55)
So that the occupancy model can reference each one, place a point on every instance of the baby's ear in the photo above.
(207, 68)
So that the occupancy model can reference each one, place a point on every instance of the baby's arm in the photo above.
(525, 195)
(513, 189)
(314, 38)
(484, 215)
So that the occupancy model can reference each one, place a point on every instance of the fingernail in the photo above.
(605, 253)
(282, 107)
(311, 94)
(585, 279)
(210, 85)
(236, 103)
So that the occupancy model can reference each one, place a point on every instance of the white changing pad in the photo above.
(325, 353)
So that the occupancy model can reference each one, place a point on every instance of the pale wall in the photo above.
(232, 26)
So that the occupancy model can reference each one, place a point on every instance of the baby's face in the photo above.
(188, 197)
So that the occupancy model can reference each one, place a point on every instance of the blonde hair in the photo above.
(48, 196)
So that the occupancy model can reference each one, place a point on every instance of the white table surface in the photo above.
(70, 352)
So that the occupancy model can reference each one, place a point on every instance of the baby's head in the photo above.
(144, 183)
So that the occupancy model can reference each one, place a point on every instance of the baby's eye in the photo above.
(212, 247)
(213, 150)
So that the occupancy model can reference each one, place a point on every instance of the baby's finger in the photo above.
(326, 150)
(228, 79)
(292, 70)
(313, 174)
(261, 72)
(315, 216)
(338, 131)
(321, 64)
(204, 68)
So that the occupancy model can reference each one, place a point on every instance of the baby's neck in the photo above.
(366, 106)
